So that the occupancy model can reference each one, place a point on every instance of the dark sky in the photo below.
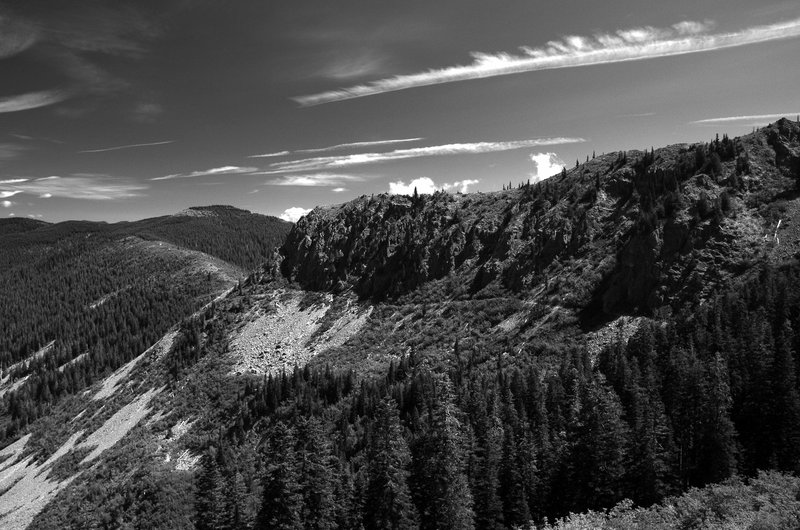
(116, 110)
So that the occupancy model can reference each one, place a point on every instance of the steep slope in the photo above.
(526, 298)
(631, 232)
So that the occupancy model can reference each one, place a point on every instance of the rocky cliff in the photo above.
(639, 231)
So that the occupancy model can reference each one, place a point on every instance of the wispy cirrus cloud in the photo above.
(315, 180)
(573, 51)
(78, 186)
(757, 118)
(10, 151)
(271, 155)
(338, 147)
(224, 170)
(357, 145)
(129, 146)
(17, 35)
(333, 162)
(32, 100)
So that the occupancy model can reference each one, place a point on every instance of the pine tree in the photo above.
(441, 489)
(512, 484)
(316, 465)
(207, 502)
(786, 403)
(282, 500)
(388, 500)
(718, 460)
(485, 462)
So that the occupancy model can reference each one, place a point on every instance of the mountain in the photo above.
(81, 298)
(622, 330)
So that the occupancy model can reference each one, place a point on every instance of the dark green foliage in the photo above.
(282, 503)
(388, 499)
(102, 294)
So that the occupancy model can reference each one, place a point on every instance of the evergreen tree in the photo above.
(485, 462)
(316, 467)
(282, 500)
(442, 492)
(207, 502)
(388, 500)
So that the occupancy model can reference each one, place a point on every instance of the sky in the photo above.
(125, 110)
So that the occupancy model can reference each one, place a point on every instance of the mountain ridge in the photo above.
(541, 320)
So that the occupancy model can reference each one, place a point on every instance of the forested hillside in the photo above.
(79, 299)
(627, 329)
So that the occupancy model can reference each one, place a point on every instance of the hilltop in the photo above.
(615, 331)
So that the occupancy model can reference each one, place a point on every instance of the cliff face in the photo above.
(624, 232)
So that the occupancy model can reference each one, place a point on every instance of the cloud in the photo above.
(77, 38)
(423, 185)
(129, 146)
(355, 145)
(146, 112)
(316, 179)
(461, 185)
(7, 194)
(224, 170)
(338, 190)
(89, 187)
(760, 118)
(334, 162)
(271, 155)
(545, 165)
(294, 213)
(32, 100)
(17, 36)
(338, 147)
(426, 186)
(7, 204)
(572, 51)
(9, 151)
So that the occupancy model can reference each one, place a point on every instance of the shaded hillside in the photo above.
(623, 330)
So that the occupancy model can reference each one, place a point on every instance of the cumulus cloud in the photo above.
(573, 51)
(32, 100)
(338, 190)
(7, 204)
(426, 186)
(224, 170)
(294, 213)
(7, 194)
(323, 163)
(545, 165)
(129, 146)
(756, 119)
(316, 179)
(79, 186)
